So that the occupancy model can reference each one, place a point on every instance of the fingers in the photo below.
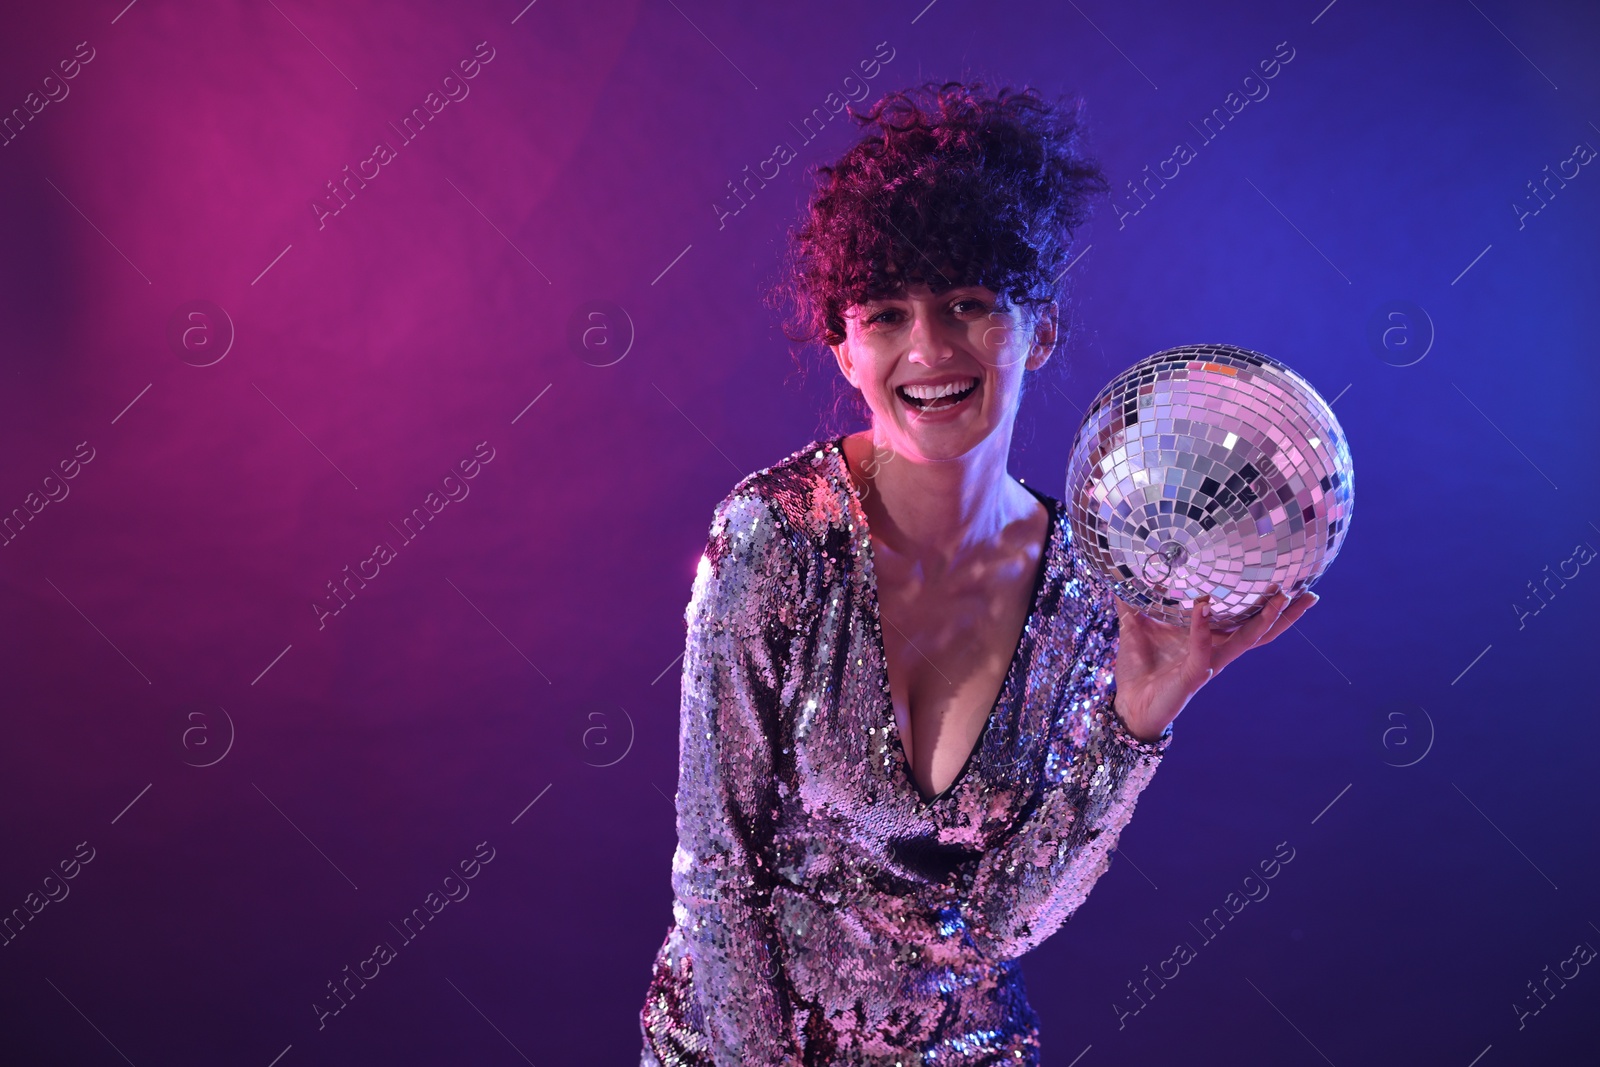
(1256, 627)
(1200, 643)
(1266, 624)
(1124, 609)
(1288, 615)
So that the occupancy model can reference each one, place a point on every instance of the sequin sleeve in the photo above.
(741, 621)
(1095, 770)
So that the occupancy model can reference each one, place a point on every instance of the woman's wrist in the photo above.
(1130, 727)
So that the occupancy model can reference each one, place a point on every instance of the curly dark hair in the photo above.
(951, 184)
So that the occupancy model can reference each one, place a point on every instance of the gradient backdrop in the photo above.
(217, 395)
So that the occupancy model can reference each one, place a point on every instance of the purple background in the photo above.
(522, 650)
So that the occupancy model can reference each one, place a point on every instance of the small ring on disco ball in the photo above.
(1158, 565)
(600, 332)
(1400, 333)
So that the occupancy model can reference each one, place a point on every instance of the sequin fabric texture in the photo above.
(824, 911)
(1209, 469)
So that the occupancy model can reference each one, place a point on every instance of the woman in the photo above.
(913, 724)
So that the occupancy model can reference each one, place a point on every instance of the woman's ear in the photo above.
(1046, 327)
(846, 365)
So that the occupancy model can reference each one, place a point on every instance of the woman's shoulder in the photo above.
(767, 539)
(803, 494)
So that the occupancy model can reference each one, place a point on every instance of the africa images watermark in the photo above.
(55, 89)
(55, 491)
(1529, 206)
(1183, 153)
(1552, 584)
(12, 925)
(383, 153)
(1184, 953)
(1582, 954)
(384, 953)
(784, 153)
(342, 591)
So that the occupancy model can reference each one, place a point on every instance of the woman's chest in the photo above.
(948, 650)
(851, 797)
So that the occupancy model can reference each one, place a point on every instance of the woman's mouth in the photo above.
(932, 399)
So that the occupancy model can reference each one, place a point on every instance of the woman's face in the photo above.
(941, 374)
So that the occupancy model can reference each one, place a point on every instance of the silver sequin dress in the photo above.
(825, 912)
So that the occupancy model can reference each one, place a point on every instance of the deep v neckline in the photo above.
(1006, 683)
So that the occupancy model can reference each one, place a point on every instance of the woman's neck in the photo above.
(938, 512)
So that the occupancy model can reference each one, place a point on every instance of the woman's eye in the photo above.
(885, 316)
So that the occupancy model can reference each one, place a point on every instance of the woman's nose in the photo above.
(927, 341)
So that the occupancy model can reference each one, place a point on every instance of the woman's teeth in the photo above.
(937, 397)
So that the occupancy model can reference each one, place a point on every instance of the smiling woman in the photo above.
(908, 743)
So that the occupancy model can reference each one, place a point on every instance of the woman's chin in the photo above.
(936, 442)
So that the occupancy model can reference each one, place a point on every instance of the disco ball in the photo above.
(1209, 469)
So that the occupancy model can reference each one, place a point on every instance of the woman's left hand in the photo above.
(1161, 665)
